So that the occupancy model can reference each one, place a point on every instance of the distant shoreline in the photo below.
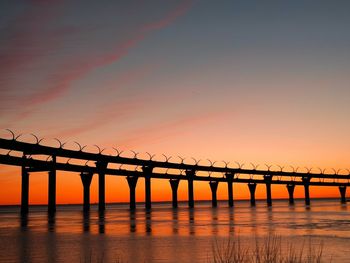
(169, 202)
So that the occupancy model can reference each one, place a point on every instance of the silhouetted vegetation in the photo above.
(271, 249)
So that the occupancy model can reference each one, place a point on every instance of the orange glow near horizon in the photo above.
(69, 189)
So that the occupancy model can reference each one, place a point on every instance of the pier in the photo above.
(34, 157)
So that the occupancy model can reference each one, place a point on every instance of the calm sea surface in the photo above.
(166, 234)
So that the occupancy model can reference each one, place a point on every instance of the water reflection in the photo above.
(270, 219)
(191, 221)
(175, 219)
(215, 221)
(132, 217)
(86, 221)
(343, 207)
(101, 222)
(148, 221)
(24, 221)
(231, 220)
(24, 248)
(252, 219)
(51, 241)
(308, 220)
(163, 233)
(51, 221)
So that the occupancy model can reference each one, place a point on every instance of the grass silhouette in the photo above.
(272, 249)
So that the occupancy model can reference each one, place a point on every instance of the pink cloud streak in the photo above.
(68, 74)
(15, 53)
(113, 112)
(166, 129)
(19, 57)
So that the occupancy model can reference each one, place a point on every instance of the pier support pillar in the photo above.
(229, 177)
(25, 190)
(190, 175)
(268, 179)
(290, 188)
(86, 180)
(52, 192)
(252, 188)
(174, 185)
(342, 190)
(101, 167)
(132, 181)
(52, 187)
(214, 188)
(306, 181)
(147, 170)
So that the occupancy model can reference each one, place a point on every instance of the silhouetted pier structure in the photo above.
(34, 157)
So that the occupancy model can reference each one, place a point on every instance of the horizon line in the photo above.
(180, 201)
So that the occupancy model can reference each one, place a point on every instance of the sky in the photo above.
(263, 82)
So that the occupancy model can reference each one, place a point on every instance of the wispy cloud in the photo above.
(112, 113)
(166, 129)
(170, 18)
(60, 83)
(57, 83)
(22, 43)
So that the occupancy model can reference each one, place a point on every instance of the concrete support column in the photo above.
(190, 175)
(252, 188)
(229, 177)
(174, 185)
(268, 179)
(86, 180)
(214, 188)
(306, 181)
(342, 190)
(132, 181)
(147, 170)
(101, 167)
(290, 188)
(52, 187)
(25, 190)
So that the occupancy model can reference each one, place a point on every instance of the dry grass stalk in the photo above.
(270, 250)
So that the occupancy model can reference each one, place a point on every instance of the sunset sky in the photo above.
(264, 82)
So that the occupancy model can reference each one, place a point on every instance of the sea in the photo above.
(164, 234)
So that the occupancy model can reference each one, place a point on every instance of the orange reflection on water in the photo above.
(163, 233)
